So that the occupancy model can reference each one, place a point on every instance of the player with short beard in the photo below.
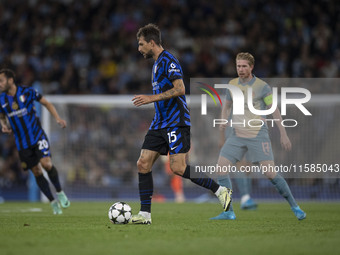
(17, 107)
(170, 128)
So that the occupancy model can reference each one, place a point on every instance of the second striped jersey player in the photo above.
(22, 119)
(18, 115)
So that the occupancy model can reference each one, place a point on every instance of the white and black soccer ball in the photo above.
(120, 213)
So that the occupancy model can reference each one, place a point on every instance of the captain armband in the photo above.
(268, 100)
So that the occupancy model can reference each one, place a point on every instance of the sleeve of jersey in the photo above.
(267, 95)
(35, 94)
(174, 71)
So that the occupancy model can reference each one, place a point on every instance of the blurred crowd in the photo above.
(90, 47)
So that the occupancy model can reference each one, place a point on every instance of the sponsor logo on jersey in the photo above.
(19, 113)
(173, 68)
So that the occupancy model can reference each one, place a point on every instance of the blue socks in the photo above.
(282, 187)
(243, 183)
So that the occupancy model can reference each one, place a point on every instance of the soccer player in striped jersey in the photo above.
(253, 140)
(170, 128)
(17, 115)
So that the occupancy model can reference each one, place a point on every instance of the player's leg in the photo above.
(231, 152)
(282, 187)
(224, 180)
(42, 182)
(145, 184)
(262, 152)
(42, 151)
(176, 182)
(178, 166)
(178, 139)
(243, 182)
(45, 188)
(52, 172)
(30, 160)
(144, 164)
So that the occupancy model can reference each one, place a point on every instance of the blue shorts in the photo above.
(257, 149)
(229, 133)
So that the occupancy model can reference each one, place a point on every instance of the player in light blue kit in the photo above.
(253, 139)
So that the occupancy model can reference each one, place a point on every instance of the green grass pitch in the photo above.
(84, 228)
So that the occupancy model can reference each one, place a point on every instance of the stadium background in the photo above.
(89, 48)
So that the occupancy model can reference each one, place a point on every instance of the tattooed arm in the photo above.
(177, 90)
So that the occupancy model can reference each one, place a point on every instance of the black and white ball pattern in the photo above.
(120, 213)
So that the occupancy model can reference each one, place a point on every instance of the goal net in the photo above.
(96, 154)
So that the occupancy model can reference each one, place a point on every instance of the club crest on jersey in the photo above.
(22, 98)
(15, 106)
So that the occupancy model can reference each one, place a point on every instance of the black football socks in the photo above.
(53, 175)
(202, 181)
(145, 191)
(44, 187)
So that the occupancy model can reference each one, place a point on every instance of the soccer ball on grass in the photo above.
(120, 213)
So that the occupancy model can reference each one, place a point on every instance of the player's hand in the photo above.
(62, 123)
(223, 127)
(141, 100)
(285, 143)
(6, 129)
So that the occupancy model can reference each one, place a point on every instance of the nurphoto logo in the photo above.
(238, 104)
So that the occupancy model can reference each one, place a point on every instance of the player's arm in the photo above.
(177, 90)
(50, 107)
(225, 113)
(5, 127)
(285, 141)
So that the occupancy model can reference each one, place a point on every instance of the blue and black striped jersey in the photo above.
(21, 114)
(172, 112)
